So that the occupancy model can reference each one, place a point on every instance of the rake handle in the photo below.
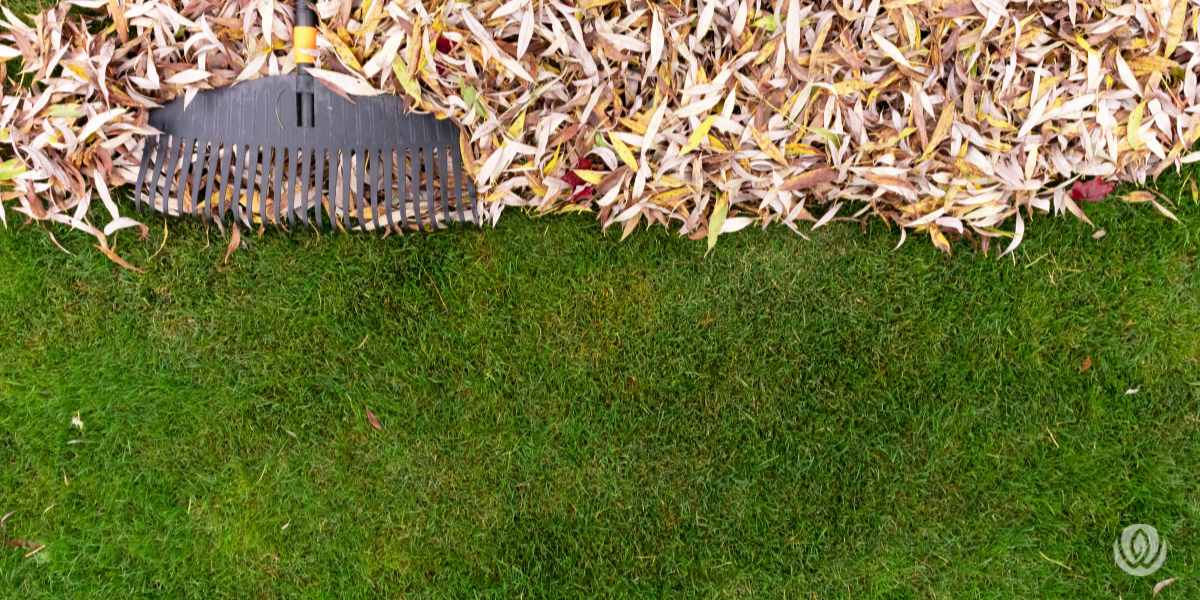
(305, 32)
(304, 36)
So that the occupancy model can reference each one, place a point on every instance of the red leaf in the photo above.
(1092, 191)
(26, 544)
(585, 192)
(374, 421)
(444, 45)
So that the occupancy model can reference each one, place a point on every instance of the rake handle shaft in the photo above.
(304, 36)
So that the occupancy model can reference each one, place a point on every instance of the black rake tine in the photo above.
(189, 149)
(224, 191)
(147, 149)
(415, 167)
(389, 197)
(169, 175)
(443, 181)
(344, 179)
(159, 158)
(239, 168)
(474, 201)
(277, 182)
(214, 151)
(376, 183)
(263, 160)
(428, 152)
(319, 185)
(305, 172)
(360, 166)
(174, 163)
(196, 177)
(402, 183)
(458, 183)
(285, 188)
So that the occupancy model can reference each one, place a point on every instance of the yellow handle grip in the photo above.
(305, 39)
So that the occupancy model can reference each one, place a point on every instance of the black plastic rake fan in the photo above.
(282, 147)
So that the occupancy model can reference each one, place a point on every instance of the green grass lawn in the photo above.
(566, 415)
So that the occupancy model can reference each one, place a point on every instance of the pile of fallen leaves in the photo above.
(945, 118)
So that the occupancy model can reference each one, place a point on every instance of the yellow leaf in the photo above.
(717, 220)
(851, 86)
(592, 177)
(698, 136)
(669, 197)
(637, 127)
(537, 186)
(1135, 123)
(624, 152)
(996, 145)
(343, 51)
(1139, 196)
(553, 161)
(668, 181)
(518, 127)
(77, 70)
(1082, 42)
(765, 145)
(1000, 124)
(572, 208)
(943, 127)
(1144, 65)
(767, 50)
(798, 148)
(939, 239)
(1175, 27)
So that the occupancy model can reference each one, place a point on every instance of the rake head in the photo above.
(283, 149)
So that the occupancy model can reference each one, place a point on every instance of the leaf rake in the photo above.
(281, 148)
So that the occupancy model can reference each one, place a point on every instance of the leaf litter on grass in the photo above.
(943, 117)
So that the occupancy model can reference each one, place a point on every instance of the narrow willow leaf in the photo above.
(717, 221)
(698, 136)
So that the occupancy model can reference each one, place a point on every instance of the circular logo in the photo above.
(1140, 551)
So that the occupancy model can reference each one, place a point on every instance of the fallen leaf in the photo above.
(1092, 191)
(234, 240)
(1138, 197)
(76, 421)
(1087, 364)
(717, 221)
(117, 259)
(1160, 585)
(373, 420)
(809, 179)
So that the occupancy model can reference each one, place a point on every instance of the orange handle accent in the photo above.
(305, 39)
